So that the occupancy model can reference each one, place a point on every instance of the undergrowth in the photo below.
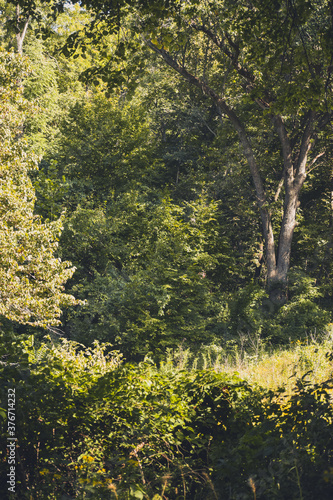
(90, 425)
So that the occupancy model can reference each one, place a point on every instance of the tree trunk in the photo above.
(277, 276)
(20, 35)
(277, 259)
(294, 177)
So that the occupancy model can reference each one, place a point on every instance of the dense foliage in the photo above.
(178, 157)
(93, 426)
(31, 278)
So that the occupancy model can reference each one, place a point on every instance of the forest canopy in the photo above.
(166, 217)
(190, 145)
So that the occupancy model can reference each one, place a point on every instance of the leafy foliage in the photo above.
(163, 227)
(285, 450)
(251, 311)
(152, 292)
(92, 426)
(31, 277)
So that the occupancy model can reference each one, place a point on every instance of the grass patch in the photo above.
(259, 363)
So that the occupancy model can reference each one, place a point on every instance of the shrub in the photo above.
(91, 426)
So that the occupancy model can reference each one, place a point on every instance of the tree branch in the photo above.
(233, 57)
(223, 107)
(278, 191)
(306, 145)
(286, 150)
(312, 162)
(20, 36)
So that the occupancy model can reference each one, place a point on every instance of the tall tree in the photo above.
(267, 67)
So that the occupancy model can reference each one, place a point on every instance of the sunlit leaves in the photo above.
(31, 278)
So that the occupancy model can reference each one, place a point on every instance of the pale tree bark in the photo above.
(21, 29)
(294, 177)
(294, 171)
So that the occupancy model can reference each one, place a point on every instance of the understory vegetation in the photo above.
(166, 250)
(95, 426)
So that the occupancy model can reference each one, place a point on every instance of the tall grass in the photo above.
(260, 363)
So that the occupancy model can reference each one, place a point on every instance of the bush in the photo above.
(88, 424)
(285, 449)
(91, 426)
(251, 311)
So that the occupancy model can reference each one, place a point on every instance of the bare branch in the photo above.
(223, 106)
(20, 36)
(312, 162)
(306, 145)
(278, 191)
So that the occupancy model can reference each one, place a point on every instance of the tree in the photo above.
(267, 67)
(143, 265)
(18, 18)
(31, 277)
(14, 24)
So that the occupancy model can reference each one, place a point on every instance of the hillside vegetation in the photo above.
(166, 243)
